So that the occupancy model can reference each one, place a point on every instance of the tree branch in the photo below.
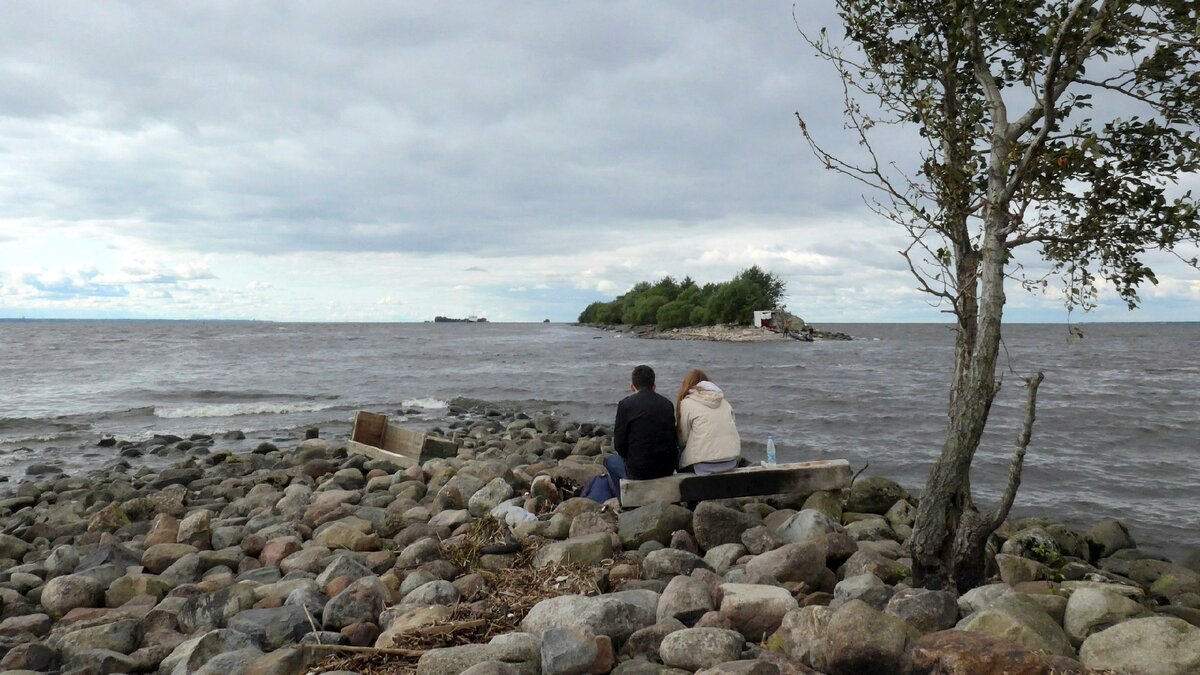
(1018, 460)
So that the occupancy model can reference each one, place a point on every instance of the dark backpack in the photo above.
(601, 488)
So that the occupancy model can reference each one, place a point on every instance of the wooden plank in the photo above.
(797, 478)
(369, 428)
(375, 437)
(379, 453)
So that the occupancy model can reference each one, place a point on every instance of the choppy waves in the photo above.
(238, 409)
(425, 403)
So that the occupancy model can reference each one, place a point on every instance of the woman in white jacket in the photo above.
(705, 426)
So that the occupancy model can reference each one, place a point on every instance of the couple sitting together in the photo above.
(653, 438)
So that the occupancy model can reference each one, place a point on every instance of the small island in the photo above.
(469, 319)
(747, 308)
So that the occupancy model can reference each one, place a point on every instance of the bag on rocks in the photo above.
(601, 488)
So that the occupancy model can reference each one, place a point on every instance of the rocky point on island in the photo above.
(283, 559)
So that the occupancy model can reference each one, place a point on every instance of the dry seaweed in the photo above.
(506, 598)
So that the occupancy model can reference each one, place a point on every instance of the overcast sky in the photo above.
(387, 161)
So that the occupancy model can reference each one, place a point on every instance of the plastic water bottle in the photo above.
(770, 450)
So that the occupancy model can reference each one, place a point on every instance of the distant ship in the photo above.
(469, 319)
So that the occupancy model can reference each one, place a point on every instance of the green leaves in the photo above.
(670, 304)
(1101, 102)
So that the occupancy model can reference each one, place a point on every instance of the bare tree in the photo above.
(1058, 126)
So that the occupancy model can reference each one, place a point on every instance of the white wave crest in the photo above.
(236, 409)
(425, 403)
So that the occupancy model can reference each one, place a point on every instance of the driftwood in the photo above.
(386, 651)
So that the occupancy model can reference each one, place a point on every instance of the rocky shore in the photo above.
(307, 559)
(722, 333)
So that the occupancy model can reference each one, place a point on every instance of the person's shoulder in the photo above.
(659, 399)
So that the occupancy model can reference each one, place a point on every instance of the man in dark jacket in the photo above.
(644, 433)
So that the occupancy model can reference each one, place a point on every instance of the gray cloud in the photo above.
(416, 128)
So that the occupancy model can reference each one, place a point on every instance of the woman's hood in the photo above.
(707, 393)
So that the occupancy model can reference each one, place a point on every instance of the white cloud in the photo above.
(345, 158)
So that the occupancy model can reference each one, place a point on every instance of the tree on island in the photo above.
(674, 304)
(1017, 155)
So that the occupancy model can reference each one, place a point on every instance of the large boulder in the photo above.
(686, 599)
(159, 557)
(645, 642)
(755, 610)
(586, 550)
(120, 636)
(667, 563)
(802, 635)
(874, 494)
(196, 529)
(213, 610)
(956, 652)
(489, 497)
(1091, 610)
(439, 592)
(274, 627)
(1033, 543)
(135, 585)
(1158, 645)
(1013, 617)
(866, 587)
(191, 655)
(519, 652)
(721, 558)
(714, 525)
(1107, 537)
(805, 525)
(925, 610)
(694, 648)
(861, 639)
(360, 602)
(865, 561)
(653, 522)
(568, 651)
(603, 615)
(804, 563)
(63, 594)
(13, 548)
(981, 596)
(343, 566)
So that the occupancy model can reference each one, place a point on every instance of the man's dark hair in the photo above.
(643, 377)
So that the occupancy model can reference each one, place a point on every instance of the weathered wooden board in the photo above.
(374, 437)
(757, 481)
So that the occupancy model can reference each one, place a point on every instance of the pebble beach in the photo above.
(299, 557)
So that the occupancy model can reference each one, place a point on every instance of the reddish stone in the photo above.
(361, 634)
(252, 545)
(623, 572)
(30, 656)
(838, 547)
(269, 603)
(818, 598)
(163, 530)
(277, 549)
(376, 473)
(247, 564)
(317, 468)
(606, 656)
(37, 625)
(337, 585)
(957, 652)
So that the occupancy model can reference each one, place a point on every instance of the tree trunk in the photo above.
(950, 536)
